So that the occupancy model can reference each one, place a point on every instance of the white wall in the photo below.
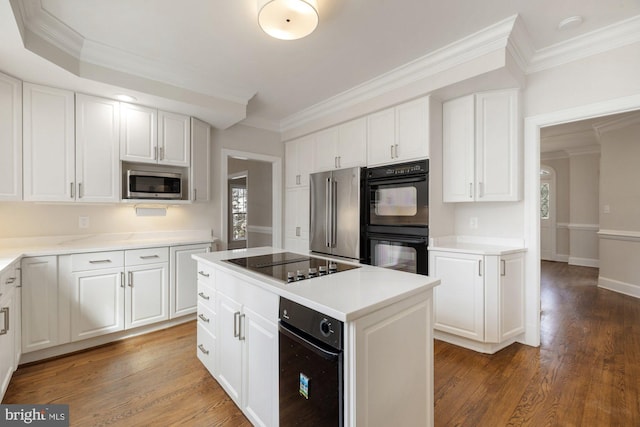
(583, 209)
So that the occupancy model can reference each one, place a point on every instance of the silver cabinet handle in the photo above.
(203, 296)
(202, 349)
(122, 279)
(241, 327)
(339, 161)
(161, 154)
(480, 190)
(202, 273)
(99, 261)
(297, 231)
(480, 268)
(236, 318)
(10, 280)
(297, 179)
(130, 274)
(149, 256)
(203, 318)
(72, 190)
(503, 264)
(155, 153)
(80, 193)
(5, 311)
(396, 150)
(195, 195)
(392, 151)
(471, 190)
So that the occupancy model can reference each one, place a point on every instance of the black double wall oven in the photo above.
(395, 233)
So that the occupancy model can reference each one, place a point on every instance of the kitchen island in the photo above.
(387, 335)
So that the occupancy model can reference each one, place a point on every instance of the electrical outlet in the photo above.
(473, 222)
(83, 221)
(606, 209)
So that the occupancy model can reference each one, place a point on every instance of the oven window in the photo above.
(395, 256)
(396, 201)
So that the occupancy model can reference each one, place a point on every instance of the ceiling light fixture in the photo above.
(288, 19)
(570, 22)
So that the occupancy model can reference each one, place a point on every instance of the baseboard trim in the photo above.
(584, 262)
(562, 258)
(619, 287)
(480, 347)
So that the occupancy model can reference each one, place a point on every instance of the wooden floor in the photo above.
(585, 373)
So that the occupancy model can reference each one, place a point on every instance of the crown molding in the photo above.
(601, 40)
(582, 151)
(605, 126)
(464, 50)
(554, 155)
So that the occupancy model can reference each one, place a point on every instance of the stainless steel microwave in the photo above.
(153, 185)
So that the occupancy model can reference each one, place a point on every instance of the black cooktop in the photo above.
(289, 267)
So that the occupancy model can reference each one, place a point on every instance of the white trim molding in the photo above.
(605, 126)
(584, 262)
(259, 229)
(624, 235)
(562, 225)
(618, 286)
(583, 227)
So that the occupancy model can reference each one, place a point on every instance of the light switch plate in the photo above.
(83, 221)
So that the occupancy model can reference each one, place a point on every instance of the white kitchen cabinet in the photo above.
(138, 133)
(245, 341)
(97, 159)
(10, 138)
(200, 159)
(341, 146)
(174, 139)
(147, 290)
(9, 326)
(399, 134)
(183, 284)
(39, 303)
(480, 298)
(296, 227)
(48, 144)
(481, 148)
(298, 162)
(16, 319)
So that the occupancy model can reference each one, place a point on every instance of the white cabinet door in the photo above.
(7, 339)
(458, 150)
(296, 226)
(298, 162)
(97, 303)
(49, 144)
(260, 373)
(174, 139)
(381, 129)
(352, 144)
(138, 133)
(39, 303)
(497, 148)
(10, 138)
(230, 347)
(184, 282)
(459, 300)
(511, 296)
(147, 295)
(97, 149)
(325, 150)
(412, 130)
(200, 149)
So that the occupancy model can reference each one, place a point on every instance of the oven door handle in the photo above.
(325, 353)
(397, 238)
(385, 181)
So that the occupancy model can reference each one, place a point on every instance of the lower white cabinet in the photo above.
(147, 296)
(9, 326)
(245, 341)
(480, 298)
(183, 282)
(39, 303)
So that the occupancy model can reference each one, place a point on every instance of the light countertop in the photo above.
(345, 296)
(477, 246)
(12, 250)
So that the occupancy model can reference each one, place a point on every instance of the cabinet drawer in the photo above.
(206, 273)
(206, 295)
(207, 318)
(206, 344)
(146, 256)
(97, 260)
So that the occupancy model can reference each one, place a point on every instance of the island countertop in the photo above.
(345, 296)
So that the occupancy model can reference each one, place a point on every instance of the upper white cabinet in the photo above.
(200, 159)
(10, 138)
(340, 147)
(138, 137)
(481, 148)
(97, 149)
(49, 146)
(399, 134)
(151, 136)
(298, 162)
(174, 139)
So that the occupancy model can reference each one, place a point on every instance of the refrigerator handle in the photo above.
(327, 218)
(334, 213)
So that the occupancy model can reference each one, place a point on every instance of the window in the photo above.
(238, 212)
(544, 200)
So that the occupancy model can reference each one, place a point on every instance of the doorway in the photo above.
(237, 204)
(547, 213)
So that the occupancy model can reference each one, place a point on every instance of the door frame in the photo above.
(532, 126)
(276, 187)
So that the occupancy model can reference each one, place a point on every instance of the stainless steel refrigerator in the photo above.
(335, 212)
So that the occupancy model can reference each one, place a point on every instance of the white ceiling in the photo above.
(210, 59)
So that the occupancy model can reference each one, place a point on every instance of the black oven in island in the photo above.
(396, 230)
